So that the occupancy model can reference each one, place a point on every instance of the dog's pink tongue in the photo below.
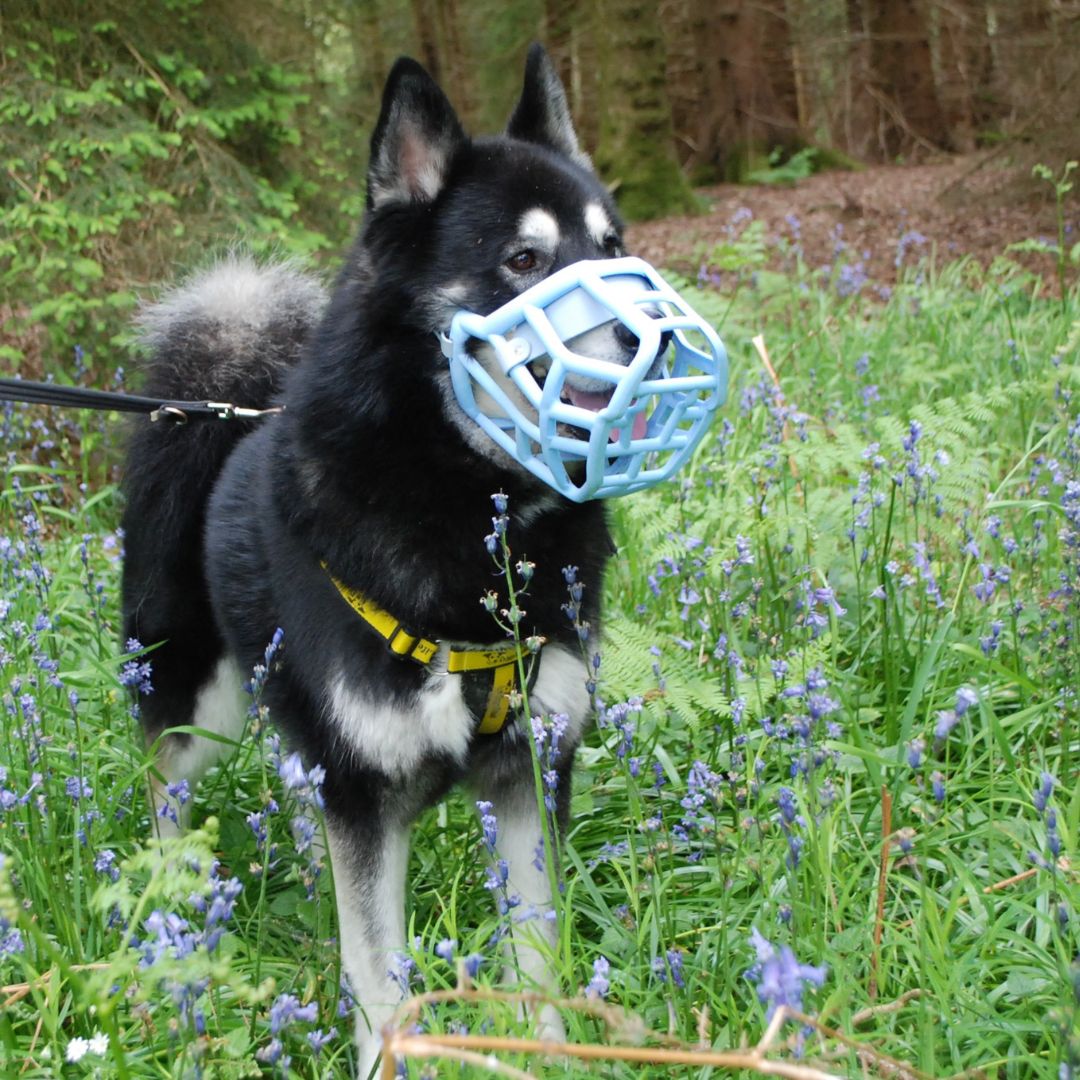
(584, 400)
(595, 402)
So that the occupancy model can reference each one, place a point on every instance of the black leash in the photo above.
(80, 397)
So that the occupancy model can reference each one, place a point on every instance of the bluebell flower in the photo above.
(671, 962)
(169, 936)
(177, 794)
(946, 721)
(105, 863)
(1045, 790)
(990, 643)
(1053, 837)
(599, 984)
(965, 698)
(788, 806)
(287, 1009)
(273, 1053)
(318, 1041)
(780, 979)
(77, 788)
(937, 786)
(136, 674)
(400, 971)
(11, 939)
(915, 750)
(489, 824)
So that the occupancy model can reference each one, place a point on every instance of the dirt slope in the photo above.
(962, 206)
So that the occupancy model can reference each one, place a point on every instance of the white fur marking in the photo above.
(540, 228)
(220, 708)
(371, 917)
(597, 222)
(533, 935)
(560, 688)
(397, 740)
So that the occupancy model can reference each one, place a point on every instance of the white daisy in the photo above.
(76, 1049)
(99, 1044)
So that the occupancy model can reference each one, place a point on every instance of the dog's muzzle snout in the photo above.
(599, 419)
(629, 340)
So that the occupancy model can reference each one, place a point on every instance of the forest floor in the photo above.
(963, 206)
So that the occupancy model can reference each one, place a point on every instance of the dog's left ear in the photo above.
(543, 115)
(415, 139)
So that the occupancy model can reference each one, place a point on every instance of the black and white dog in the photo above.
(371, 492)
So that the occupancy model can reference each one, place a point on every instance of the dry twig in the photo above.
(883, 870)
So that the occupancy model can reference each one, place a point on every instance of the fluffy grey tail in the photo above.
(229, 334)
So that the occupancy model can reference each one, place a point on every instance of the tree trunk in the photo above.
(963, 68)
(860, 111)
(569, 39)
(685, 85)
(909, 116)
(748, 100)
(1023, 51)
(369, 55)
(636, 150)
(457, 68)
(427, 36)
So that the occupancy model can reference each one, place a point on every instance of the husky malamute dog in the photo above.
(372, 493)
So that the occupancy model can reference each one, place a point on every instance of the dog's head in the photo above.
(456, 224)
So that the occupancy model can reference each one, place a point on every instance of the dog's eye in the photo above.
(523, 261)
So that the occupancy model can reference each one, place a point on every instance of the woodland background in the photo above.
(134, 135)
(838, 765)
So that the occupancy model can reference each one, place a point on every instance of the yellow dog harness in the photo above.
(501, 661)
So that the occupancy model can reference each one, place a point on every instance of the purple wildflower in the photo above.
(937, 786)
(599, 985)
(286, 1009)
(965, 698)
(778, 976)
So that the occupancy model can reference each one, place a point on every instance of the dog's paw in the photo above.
(549, 1025)
(368, 1050)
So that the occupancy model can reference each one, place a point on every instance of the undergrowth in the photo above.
(835, 764)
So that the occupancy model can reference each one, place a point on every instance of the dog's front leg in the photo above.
(369, 857)
(533, 937)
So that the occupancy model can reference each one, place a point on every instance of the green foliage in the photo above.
(1062, 186)
(131, 144)
(784, 170)
(862, 592)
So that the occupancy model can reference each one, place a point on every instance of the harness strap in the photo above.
(502, 660)
(398, 640)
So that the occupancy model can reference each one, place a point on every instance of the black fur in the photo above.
(367, 470)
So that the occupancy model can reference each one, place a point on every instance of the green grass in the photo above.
(679, 845)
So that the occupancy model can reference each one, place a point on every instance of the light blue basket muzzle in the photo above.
(592, 428)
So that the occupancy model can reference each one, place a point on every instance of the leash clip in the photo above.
(169, 412)
(225, 410)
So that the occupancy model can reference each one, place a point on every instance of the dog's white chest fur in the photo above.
(396, 738)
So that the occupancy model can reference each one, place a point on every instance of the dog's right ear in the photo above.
(415, 139)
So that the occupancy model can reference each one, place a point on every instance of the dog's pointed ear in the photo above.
(543, 114)
(416, 137)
